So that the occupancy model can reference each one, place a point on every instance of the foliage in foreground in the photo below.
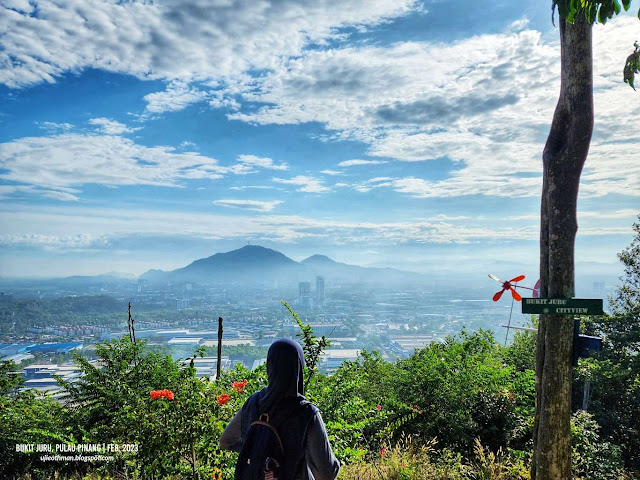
(458, 410)
(452, 410)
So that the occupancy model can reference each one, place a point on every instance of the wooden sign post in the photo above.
(218, 366)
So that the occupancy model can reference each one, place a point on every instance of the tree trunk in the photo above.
(564, 155)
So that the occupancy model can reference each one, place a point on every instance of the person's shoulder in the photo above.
(251, 403)
(309, 409)
(258, 394)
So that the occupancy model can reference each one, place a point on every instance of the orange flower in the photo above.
(222, 399)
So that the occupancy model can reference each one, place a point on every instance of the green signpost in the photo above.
(563, 306)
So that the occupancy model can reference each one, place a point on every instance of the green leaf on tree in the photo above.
(616, 6)
(632, 65)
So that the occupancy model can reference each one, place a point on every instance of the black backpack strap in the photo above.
(264, 421)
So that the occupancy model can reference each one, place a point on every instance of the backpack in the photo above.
(262, 456)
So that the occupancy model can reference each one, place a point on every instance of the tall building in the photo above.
(598, 288)
(320, 291)
(143, 283)
(304, 295)
(181, 304)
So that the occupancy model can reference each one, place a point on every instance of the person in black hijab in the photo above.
(303, 433)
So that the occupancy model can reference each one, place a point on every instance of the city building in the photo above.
(599, 288)
(181, 304)
(304, 295)
(320, 291)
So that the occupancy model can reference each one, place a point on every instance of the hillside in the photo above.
(256, 265)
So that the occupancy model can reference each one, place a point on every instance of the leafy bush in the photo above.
(592, 458)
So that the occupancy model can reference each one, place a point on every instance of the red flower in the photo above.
(222, 399)
(378, 407)
(383, 452)
(168, 394)
(239, 386)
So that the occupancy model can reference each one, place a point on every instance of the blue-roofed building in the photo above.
(14, 349)
(54, 347)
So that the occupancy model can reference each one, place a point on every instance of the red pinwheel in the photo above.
(507, 286)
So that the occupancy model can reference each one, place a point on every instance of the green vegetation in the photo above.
(462, 409)
(17, 315)
(615, 373)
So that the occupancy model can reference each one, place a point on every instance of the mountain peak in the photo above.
(318, 260)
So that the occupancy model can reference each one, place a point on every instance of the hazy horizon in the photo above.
(503, 268)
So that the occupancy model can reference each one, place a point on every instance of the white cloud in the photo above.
(177, 96)
(177, 40)
(55, 127)
(519, 25)
(351, 163)
(377, 182)
(484, 106)
(484, 103)
(57, 195)
(77, 159)
(604, 214)
(256, 205)
(306, 184)
(83, 228)
(262, 162)
(242, 169)
(610, 214)
(487, 107)
(56, 162)
(62, 194)
(111, 127)
(252, 187)
(22, 225)
(443, 217)
(19, 5)
(331, 172)
(80, 241)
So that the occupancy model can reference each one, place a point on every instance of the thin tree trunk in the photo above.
(564, 155)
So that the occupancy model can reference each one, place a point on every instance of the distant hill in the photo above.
(251, 264)
(256, 265)
(323, 265)
(71, 283)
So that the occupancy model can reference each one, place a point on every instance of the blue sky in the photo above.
(137, 135)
